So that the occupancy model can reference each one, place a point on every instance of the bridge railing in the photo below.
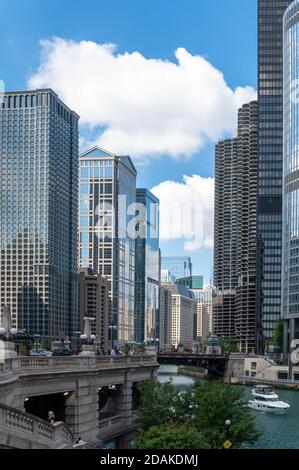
(28, 430)
(97, 362)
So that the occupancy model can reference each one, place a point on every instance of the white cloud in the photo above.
(146, 106)
(187, 211)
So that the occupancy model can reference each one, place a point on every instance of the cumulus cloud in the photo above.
(187, 211)
(141, 106)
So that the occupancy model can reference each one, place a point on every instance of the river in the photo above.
(279, 431)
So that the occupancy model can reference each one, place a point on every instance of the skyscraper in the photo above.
(179, 266)
(106, 241)
(290, 277)
(38, 184)
(147, 267)
(183, 316)
(246, 246)
(270, 98)
(225, 238)
(234, 311)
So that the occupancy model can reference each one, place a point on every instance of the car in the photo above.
(62, 352)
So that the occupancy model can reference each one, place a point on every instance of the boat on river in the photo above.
(266, 400)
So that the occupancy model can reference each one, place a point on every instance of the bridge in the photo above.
(93, 398)
(217, 365)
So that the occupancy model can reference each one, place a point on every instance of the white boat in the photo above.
(266, 400)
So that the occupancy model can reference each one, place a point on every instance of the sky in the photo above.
(160, 80)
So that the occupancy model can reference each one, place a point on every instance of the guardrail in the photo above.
(97, 362)
(23, 427)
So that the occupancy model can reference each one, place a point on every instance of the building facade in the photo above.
(147, 267)
(94, 302)
(270, 99)
(38, 212)
(183, 325)
(246, 246)
(191, 282)
(167, 277)
(204, 299)
(225, 238)
(234, 304)
(290, 276)
(165, 318)
(106, 235)
(179, 266)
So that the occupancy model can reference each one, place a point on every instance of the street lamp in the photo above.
(228, 425)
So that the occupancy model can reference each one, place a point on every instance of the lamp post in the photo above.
(228, 425)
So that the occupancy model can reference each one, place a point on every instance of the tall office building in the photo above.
(38, 212)
(165, 318)
(225, 238)
(94, 302)
(147, 267)
(106, 238)
(234, 311)
(183, 325)
(270, 98)
(290, 286)
(204, 299)
(179, 266)
(246, 247)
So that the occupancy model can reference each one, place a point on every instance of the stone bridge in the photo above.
(75, 388)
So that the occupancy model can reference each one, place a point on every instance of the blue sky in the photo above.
(222, 31)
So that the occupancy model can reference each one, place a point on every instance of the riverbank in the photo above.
(192, 371)
(283, 385)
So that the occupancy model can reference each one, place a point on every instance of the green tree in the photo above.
(160, 404)
(228, 345)
(205, 407)
(215, 402)
(278, 334)
(174, 436)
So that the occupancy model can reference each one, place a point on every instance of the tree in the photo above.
(205, 407)
(228, 345)
(215, 402)
(278, 334)
(174, 436)
(160, 404)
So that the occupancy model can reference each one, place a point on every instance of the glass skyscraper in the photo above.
(106, 241)
(147, 267)
(290, 286)
(179, 266)
(38, 212)
(270, 98)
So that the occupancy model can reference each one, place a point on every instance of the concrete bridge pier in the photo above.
(124, 399)
(82, 410)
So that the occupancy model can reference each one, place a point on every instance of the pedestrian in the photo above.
(112, 352)
(51, 417)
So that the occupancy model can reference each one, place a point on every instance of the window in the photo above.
(282, 375)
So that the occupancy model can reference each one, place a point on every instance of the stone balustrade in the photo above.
(97, 362)
(21, 430)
